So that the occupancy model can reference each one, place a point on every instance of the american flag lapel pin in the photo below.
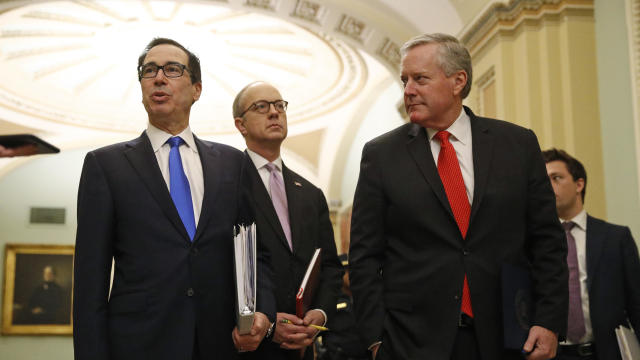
(297, 184)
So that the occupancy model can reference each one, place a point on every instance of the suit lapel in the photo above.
(140, 155)
(211, 161)
(595, 242)
(482, 149)
(263, 202)
(293, 187)
(418, 147)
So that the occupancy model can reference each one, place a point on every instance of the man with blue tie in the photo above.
(604, 291)
(162, 208)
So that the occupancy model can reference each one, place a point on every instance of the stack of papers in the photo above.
(245, 272)
(628, 343)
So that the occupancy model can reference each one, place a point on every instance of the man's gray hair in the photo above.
(453, 55)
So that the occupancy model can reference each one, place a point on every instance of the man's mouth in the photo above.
(159, 96)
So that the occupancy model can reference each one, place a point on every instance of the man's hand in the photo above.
(250, 341)
(541, 343)
(295, 335)
(374, 350)
(18, 151)
(314, 317)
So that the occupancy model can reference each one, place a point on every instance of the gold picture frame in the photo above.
(38, 288)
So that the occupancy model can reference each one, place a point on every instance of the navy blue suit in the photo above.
(169, 294)
(613, 268)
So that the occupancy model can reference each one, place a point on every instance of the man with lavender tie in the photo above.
(292, 220)
(603, 267)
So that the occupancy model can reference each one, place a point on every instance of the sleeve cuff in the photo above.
(325, 316)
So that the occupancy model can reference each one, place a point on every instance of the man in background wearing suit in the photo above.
(163, 207)
(292, 219)
(441, 204)
(604, 290)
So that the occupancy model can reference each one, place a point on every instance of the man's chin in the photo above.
(417, 118)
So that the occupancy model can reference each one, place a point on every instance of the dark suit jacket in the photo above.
(408, 258)
(612, 282)
(310, 229)
(168, 292)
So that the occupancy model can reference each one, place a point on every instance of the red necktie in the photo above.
(451, 176)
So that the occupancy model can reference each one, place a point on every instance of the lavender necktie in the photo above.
(576, 329)
(279, 199)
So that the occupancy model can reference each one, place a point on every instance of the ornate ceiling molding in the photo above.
(73, 62)
(508, 17)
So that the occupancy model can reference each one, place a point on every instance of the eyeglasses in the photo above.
(263, 106)
(171, 70)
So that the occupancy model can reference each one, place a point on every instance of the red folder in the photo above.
(308, 285)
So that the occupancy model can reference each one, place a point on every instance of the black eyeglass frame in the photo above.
(255, 105)
(161, 67)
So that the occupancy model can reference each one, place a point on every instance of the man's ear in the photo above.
(197, 91)
(239, 122)
(459, 81)
(579, 185)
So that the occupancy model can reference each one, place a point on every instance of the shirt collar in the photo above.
(460, 129)
(580, 220)
(159, 137)
(260, 161)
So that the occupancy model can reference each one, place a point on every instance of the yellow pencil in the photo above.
(317, 327)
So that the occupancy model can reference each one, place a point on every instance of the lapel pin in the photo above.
(297, 183)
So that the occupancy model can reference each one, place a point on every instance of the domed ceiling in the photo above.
(74, 62)
(68, 68)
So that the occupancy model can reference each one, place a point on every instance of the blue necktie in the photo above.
(179, 186)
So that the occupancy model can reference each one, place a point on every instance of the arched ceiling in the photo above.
(68, 67)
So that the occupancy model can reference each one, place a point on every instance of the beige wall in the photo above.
(536, 69)
(619, 144)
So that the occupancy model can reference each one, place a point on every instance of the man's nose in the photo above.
(409, 88)
(272, 109)
(160, 78)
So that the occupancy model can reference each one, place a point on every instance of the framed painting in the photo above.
(38, 284)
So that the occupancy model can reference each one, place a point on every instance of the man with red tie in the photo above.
(441, 204)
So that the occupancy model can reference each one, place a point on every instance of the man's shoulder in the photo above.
(222, 148)
(120, 146)
(497, 125)
(599, 223)
(400, 133)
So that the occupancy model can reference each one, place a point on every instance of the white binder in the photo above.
(628, 343)
(245, 274)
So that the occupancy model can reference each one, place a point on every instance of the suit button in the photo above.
(190, 292)
(465, 252)
(194, 251)
(456, 297)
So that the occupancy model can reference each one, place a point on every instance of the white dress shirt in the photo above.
(190, 162)
(460, 138)
(579, 233)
